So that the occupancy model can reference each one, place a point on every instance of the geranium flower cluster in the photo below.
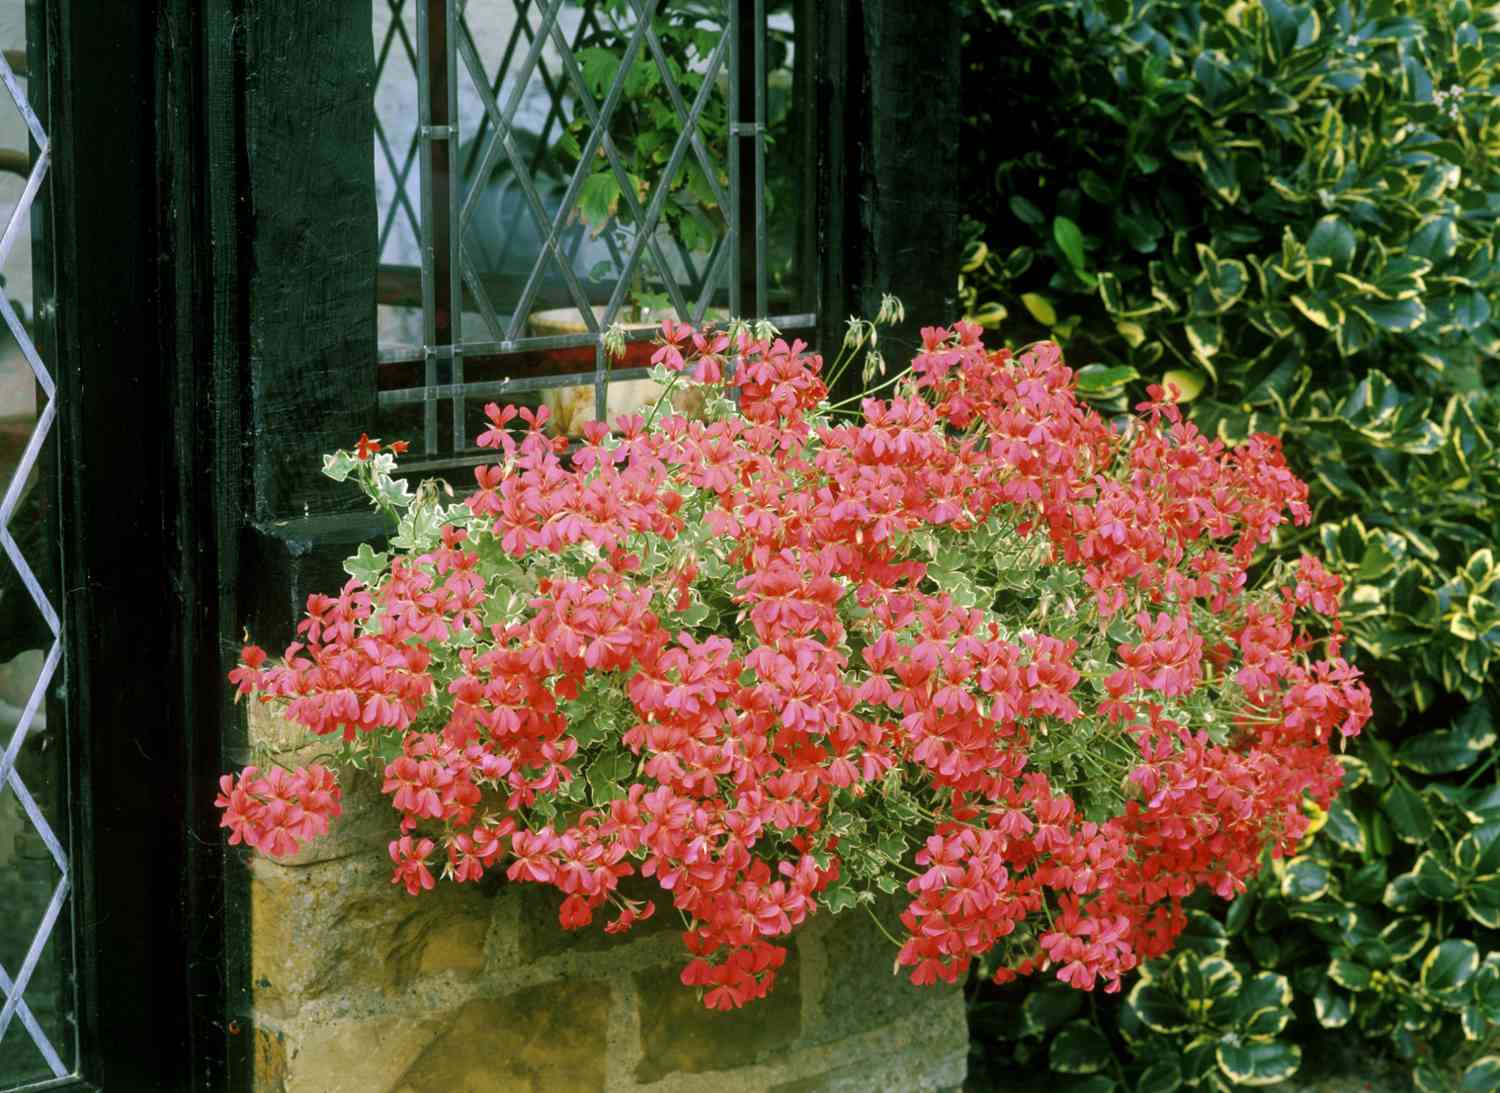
(973, 641)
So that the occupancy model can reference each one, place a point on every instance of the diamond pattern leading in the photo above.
(498, 139)
(507, 242)
(13, 982)
(400, 173)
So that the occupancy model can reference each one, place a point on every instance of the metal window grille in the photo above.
(499, 121)
(37, 1041)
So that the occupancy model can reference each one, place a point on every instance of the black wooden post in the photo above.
(909, 195)
(146, 346)
(310, 245)
(889, 110)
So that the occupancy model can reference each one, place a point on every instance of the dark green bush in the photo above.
(1290, 212)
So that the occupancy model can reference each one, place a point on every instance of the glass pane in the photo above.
(397, 193)
(547, 168)
(37, 1035)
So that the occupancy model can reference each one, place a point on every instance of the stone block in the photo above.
(341, 928)
(358, 1056)
(679, 1035)
(549, 1038)
(858, 986)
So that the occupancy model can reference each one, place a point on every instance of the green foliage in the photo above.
(1288, 211)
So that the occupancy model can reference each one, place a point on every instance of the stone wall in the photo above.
(359, 988)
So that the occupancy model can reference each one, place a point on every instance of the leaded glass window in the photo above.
(38, 1030)
(547, 168)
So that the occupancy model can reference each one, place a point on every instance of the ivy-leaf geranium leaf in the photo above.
(366, 566)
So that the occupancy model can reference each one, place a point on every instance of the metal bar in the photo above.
(425, 237)
(399, 199)
(716, 262)
(28, 115)
(384, 52)
(484, 354)
(502, 138)
(475, 282)
(507, 116)
(601, 382)
(736, 303)
(761, 228)
(455, 237)
(26, 345)
(406, 396)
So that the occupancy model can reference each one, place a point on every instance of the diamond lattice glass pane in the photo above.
(512, 111)
(589, 144)
(36, 1021)
(397, 189)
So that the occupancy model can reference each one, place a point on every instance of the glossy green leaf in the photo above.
(1477, 852)
(1342, 827)
(1406, 936)
(1157, 1008)
(1397, 316)
(1402, 893)
(1264, 990)
(1203, 934)
(1407, 811)
(1188, 384)
(1450, 965)
(1430, 1079)
(1040, 307)
(1332, 1006)
(1304, 879)
(1049, 1006)
(1026, 212)
(1332, 240)
(1101, 380)
(1481, 1076)
(1079, 1048)
(1437, 753)
(1435, 878)
(1205, 335)
(1481, 901)
(1162, 1076)
(1258, 1063)
(1349, 974)
(1070, 240)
